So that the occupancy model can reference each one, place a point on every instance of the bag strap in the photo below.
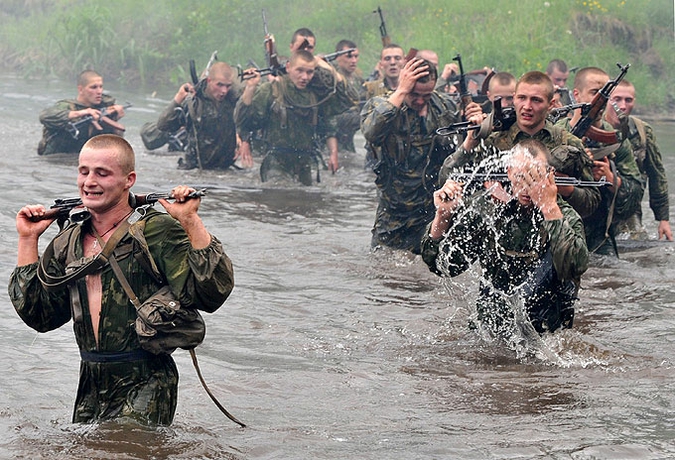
(137, 303)
(51, 282)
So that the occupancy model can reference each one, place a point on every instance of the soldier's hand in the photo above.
(30, 222)
(243, 154)
(251, 76)
(183, 91)
(183, 207)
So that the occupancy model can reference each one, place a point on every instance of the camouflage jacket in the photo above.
(56, 138)
(648, 158)
(211, 132)
(567, 150)
(287, 115)
(624, 203)
(409, 157)
(201, 279)
(508, 240)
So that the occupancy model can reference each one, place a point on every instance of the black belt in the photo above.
(115, 357)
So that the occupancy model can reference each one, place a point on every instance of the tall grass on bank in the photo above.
(149, 43)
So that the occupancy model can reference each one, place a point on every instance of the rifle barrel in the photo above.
(502, 177)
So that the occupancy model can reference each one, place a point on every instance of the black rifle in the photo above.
(199, 82)
(386, 39)
(593, 112)
(333, 56)
(556, 114)
(500, 119)
(502, 177)
(464, 93)
(74, 127)
(66, 210)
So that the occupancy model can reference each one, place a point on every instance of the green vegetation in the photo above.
(151, 42)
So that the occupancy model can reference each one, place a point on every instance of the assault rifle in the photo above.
(556, 114)
(199, 82)
(464, 93)
(502, 177)
(386, 40)
(590, 113)
(74, 127)
(67, 210)
(333, 56)
(500, 119)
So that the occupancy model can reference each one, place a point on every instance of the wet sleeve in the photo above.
(37, 308)
(629, 195)
(656, 178)
(253, 117)
(568, 244)
(56, 117)
(170, 119)
(377, 119)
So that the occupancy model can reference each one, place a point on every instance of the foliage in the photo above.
(150, 43)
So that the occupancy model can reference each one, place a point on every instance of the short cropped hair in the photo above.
(556, 64)
(301, 55)
(125, 153)
(582, 76)
(535, 77)
(345, 45)
(86, 76)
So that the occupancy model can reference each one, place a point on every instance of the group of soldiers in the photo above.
(301, 113)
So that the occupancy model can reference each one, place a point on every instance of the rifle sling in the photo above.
(137, 304)
(51, 282)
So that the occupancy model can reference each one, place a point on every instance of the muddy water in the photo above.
(327, 350)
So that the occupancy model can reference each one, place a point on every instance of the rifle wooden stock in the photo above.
(386, 40)
(600, 135)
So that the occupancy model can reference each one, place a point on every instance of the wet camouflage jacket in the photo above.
(211, 132)
(648, 157)
(145, 389)
(625, 203)
(55, 135)
(287, 115)
(410, 155)
(509, 242)
(568, 154)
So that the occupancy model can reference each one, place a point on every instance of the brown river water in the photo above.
(328, 350)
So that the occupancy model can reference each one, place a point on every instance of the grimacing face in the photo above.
(301, 72)
(391, 62)
(532, 105)
(92, 93)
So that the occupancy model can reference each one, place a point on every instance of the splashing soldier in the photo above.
(529, 243)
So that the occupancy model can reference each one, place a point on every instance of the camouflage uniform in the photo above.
(348, 122)
(515, 246)
(289, 118)
(601, 226)
(648, 158)
(55, 135)
(409, 157)
(569, 158)
(134, 384)
(211, 132)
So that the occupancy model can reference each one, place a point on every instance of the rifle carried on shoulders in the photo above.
(274, 67)
(199, 81)
(465, 97)
(67, 210)
(333, 56)
(386, 39)
(502, 177)
(75, 127)
(592, 112)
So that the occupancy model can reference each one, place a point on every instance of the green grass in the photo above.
(149, 43)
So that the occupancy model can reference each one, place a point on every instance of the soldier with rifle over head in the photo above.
(612, 158)
(70, 123)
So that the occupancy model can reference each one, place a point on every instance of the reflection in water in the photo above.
(328, 350)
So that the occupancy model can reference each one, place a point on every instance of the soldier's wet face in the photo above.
(301, 72)
(91, 93)
(348, 62)
(392, 61)
(532, 104)
(218, 86)
(419, 97)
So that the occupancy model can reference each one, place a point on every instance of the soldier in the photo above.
(558, 72)
(648, 157)
(118, 379)
(207, 113)
(613, 162)
(288, 112)
(532, 101)
(531, 245)
(348, 122)
(402, 128)
(390, 65)
(58, 134)
(501, 85)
